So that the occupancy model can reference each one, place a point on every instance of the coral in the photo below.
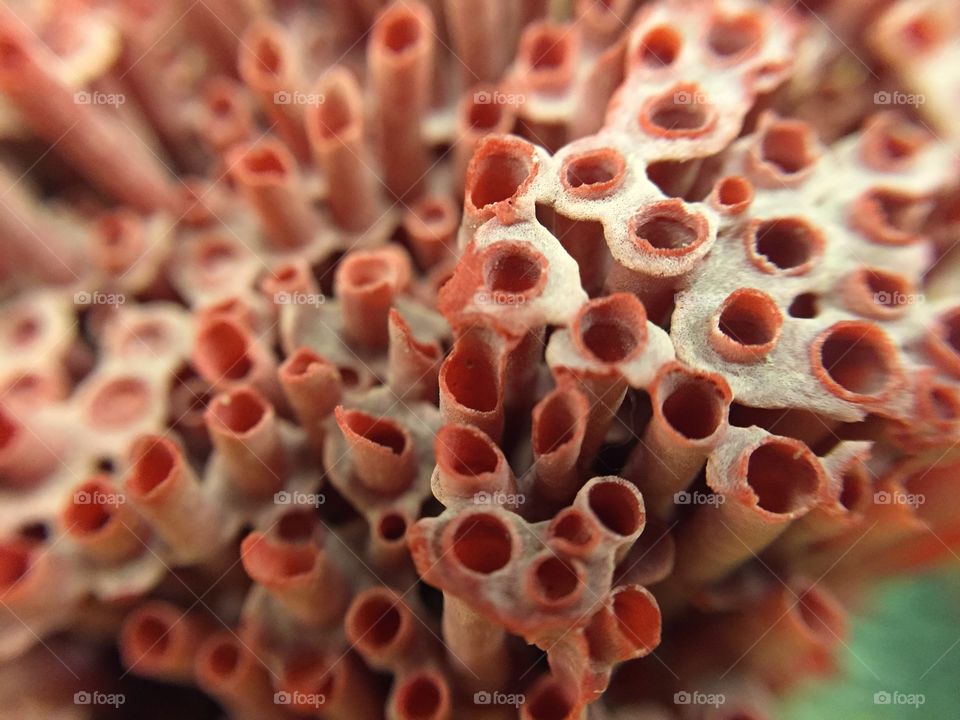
(467, 359)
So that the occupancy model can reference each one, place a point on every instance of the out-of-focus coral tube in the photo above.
(550, 698)
(29, 243)
(230, 672)
(559, 427)
(244, 430)
(471, 385)
(105, 151)
(26, 457)
(101, 524)
(159, 640)
(478, 30)
(689, 419)
(400, 56)
(413, 366)
(766, 482)
(421, 695)
(227, 118)
(267, 175)
(431, 224)
(300, 576)
(267, 65)
(381, 450)
(227, 356)
(483, 109)
(313, 388)
(383, 629)
(366, 283)
(470, 466)
(341, 687)
(164, 489)
(335, 129)
(602, 21)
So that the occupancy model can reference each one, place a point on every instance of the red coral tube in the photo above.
(301, 577)
(244, 430)
(766, 482)
(421, 695)
(477, 28)
(267, 175)
(559, 428)
(230, 672)
(470, 466)
(689, 419)
(226, 355)
(164, 489)
(335, 129)
(383, 629)
(341, 688)
(101, 524)
(413, 366)
(159, 640)
(100, 147)
(266, 64)
(500, 171)
(627, 626)
(382, 451)
(483, 109)
(313, 388)
(400, 56)
(550, 698)
(26, 458)
(431, 224)
(228, 119)
(471, 385)
(366, 283)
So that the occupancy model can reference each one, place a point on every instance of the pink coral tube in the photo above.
(400, 57)
(244, 430)
(381, 450)
(230, 672)
(366, 283)
(159, 640)
(313, 388)
(98, 520)
(85, 136)
(335, 129)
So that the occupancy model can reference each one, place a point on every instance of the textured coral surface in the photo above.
(440, 359)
